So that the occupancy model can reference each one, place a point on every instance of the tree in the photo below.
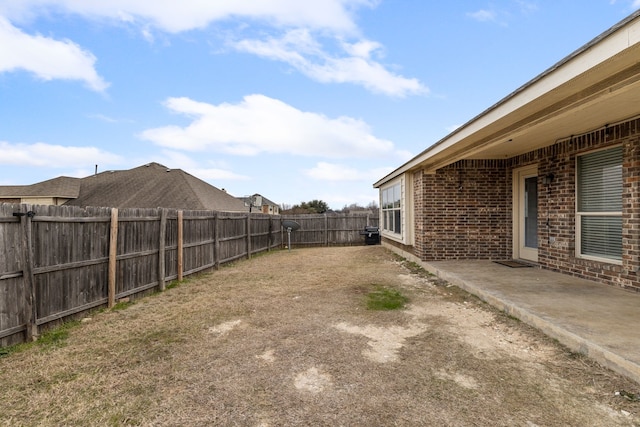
(354, 207)
(312, 207)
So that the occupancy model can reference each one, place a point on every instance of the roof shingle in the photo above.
(152, 186)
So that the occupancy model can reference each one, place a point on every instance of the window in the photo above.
(391, 209)
(599, 205)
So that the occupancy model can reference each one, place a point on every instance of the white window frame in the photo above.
(585, 214)
(391, 206)
(405, 210)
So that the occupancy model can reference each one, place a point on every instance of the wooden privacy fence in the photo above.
(330, 229)
(61, 261)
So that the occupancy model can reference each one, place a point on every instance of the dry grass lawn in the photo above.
(285, 339)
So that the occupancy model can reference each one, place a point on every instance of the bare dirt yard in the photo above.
(286, 339)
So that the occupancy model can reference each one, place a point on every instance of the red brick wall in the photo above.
(462, 212)
(556, 221)
(631, 213)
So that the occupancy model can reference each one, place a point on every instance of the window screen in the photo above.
(599, 207)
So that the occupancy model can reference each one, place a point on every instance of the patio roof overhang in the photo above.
(596, 86)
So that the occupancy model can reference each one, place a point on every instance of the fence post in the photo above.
(248, 236)
(270, 234)
(113, 253)
(27, 273)
(180, 244)
(161, 249)
(326, 230)
(216, 243)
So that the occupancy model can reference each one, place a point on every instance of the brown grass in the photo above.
(286, 339)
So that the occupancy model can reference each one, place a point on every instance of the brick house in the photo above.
(259, 203)
(549, 175)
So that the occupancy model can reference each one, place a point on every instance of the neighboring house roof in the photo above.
(152, 186)
(62, 187)
(595, 86)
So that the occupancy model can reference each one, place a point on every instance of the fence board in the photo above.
(199, 241)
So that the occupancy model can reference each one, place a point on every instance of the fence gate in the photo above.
(16, 299)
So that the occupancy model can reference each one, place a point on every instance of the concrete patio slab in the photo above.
(594, 319)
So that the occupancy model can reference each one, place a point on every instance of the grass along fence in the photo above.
(57, 262)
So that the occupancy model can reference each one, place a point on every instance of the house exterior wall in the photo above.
(57, 201)
(270, 209)
(10, 200)
(464, 210)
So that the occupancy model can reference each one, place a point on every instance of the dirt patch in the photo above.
(286, 339)
(313, 381)
(384, 342)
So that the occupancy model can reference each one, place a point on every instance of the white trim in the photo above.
(406, 210)
(519, 250)
(578, 236)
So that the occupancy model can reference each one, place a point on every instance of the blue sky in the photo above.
(293, 100)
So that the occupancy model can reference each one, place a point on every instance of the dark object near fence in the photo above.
(290, 226)
(371, 235)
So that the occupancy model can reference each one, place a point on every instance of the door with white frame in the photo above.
(525, 213)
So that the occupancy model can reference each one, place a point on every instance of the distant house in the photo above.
(56, 191)
(149, 186)
(259, 203)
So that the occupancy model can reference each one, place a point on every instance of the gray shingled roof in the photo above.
(152, 186)
(63, 187)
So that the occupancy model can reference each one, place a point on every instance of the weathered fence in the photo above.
(330, 229)
(60, 261)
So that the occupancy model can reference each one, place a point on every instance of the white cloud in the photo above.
(55, 156)
(297, 47)
(211, 170)
(502, 16)
(217, 174)
(338, 172)
(452, 128)
(362, 48)
(173, 16)
(260, 124)
(46, 58)
(108, 119)
(302, 51)
(527, 7)
(102, 118)
(483, 15)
